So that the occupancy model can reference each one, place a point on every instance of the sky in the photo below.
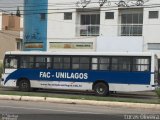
(10, 5)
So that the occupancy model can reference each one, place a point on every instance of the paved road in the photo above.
(51, 111)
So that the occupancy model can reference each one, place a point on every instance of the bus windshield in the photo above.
(11, 62)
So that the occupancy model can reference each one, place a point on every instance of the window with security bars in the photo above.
(89, 25)
(131, 24)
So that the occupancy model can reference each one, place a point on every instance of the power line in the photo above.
(53, 4)
(69, 3)
(89, 9)
(37, 9)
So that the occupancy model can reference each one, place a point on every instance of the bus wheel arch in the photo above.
(101, 88)
(24, 84)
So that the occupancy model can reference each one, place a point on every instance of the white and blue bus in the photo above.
(100, 72)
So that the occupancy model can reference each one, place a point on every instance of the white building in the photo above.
(92, 25)
(75, 25)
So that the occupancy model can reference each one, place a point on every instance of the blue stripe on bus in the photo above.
(117, 77)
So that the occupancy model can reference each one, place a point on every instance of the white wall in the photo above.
(151, 30)
(60, 29)
(108, 27)
(151, 27)
(119, 44)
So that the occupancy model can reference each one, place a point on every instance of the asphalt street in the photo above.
(23, 110)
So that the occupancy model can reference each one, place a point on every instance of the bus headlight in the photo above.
(2, 79)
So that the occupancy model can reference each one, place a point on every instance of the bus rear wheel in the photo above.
(24, 85)
(101, 89)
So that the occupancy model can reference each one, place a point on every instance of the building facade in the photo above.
(9, 34)
(85, 25)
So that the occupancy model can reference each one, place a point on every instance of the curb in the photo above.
(82, 102)
(10, 97)
(30, 98)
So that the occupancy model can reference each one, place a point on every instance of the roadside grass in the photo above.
(82, 96)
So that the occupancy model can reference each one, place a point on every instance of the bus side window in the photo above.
(94, 63)
(124, 64)
(84, 63)
(66, 63)
(40, 62)
(104, 63)
(114, 64)
(141, 64)
(80, 63)
(26, 62)
(49, 62)
(75, 63)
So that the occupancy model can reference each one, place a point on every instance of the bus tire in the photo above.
(101, 89)
(24, 85)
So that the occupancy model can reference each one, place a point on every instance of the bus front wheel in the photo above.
(24, 85)
(101, 89)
